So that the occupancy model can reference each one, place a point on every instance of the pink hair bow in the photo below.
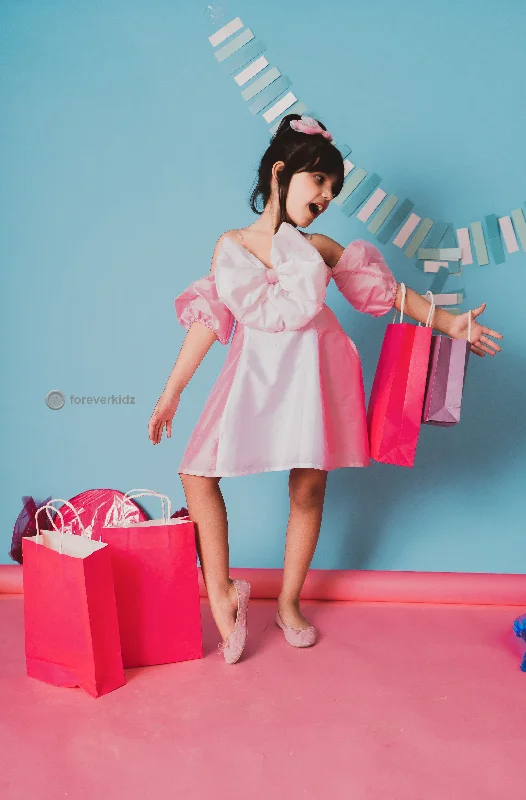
(309, 125)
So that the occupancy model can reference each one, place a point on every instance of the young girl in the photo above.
(290, 395)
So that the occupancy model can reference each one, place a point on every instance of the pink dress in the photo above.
(290, 393)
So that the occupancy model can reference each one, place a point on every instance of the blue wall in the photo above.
(125, 153)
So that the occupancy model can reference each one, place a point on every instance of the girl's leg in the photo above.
(206, 508)
(307, 494)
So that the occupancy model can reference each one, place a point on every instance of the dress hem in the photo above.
(269, 469)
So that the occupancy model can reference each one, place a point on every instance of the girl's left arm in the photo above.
(417, 307)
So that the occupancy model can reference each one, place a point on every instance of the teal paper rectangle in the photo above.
(236, 44)
(242, 57)
(495, 242)
(354, 177)
(433, 239)
(395, 222)
(439, 280)
(386, 206)
(270, 94)
(360, 195)
(261, 83)
(440, 253)
(497, 251)
(492, 226)
(344, 149)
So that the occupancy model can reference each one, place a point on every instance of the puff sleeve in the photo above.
(284, 298)
(200, 303)
(364, 279)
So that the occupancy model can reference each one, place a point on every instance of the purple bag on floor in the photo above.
(448, 363)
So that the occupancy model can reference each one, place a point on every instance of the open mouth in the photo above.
(315, 209)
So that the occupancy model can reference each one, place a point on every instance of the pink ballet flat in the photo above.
(297, 637)
(233, 646)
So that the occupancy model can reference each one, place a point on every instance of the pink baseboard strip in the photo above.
(364, 586)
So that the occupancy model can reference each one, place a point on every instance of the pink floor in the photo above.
(395, 701)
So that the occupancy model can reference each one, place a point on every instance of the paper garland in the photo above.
(441, 249)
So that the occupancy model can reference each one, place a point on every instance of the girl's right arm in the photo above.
(197, 342)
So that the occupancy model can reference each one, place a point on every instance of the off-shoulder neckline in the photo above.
(249, 252)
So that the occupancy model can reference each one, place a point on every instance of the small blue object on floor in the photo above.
(519, 628)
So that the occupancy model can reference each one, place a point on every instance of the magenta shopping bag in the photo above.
(397, 395)
(445, 381)
(70, 615)
(154, 565)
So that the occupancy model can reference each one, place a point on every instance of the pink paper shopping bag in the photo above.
(70, 614)
(395, 405)
(156, 585)
(445, 381)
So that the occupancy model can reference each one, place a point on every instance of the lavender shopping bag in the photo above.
(445, 381)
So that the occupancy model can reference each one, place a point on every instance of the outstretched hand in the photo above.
(162, 416)
(480, 341)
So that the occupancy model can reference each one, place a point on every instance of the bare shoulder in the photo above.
(233, 234)
(329, 249)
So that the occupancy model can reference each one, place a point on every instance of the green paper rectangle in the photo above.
(271, 93)
(386, 206)
(418, 237)
(479, 243)
(361, 194)
(261, 83)
(236, 44)
(520, 225)
(244, 56)
(395, 221)
(440, 253)
(296, 108)
(355, 177)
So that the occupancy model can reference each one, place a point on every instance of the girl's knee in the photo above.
(307, 488)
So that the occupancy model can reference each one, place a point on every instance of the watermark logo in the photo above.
(55, 399)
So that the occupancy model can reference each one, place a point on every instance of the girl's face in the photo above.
(309, 196)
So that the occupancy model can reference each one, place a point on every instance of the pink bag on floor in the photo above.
(397, 396)
(70, 615)
(445, 381)
(156, 586)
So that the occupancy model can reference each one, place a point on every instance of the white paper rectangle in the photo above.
(406, 230)
(224, 32)
(434, 266)
(347, 167)
(508, 234)
(465, 245)
(280, 106)
(371, 205)
(249, 72)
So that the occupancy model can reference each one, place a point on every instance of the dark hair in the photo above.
(300, 152)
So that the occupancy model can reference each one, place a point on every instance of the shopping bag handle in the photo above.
(134, 493)
(402, 285)
(61, 531)
(432, 313)
(431, 310)
(72, 507)
(469, 327)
